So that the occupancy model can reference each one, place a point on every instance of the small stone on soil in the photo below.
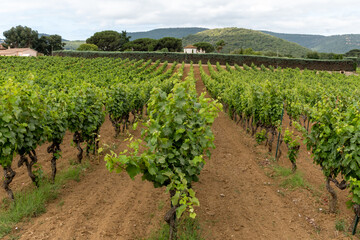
(211, 213)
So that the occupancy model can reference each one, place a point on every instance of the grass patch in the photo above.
(188, 229)
(289, 179)
(340, 225)
(161, 205)
(32, 203)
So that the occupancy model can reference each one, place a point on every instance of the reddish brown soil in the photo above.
(239, 197)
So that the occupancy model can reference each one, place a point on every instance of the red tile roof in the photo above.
(190, 46)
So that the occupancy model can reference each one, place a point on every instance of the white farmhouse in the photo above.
(26, 52)
(192, 49)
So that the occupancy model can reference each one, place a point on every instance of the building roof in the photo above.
(2, 47)
(15, 50)
(190, 46)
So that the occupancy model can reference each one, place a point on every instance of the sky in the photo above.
(80, 19)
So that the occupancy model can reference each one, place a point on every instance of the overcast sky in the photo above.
(79, 19)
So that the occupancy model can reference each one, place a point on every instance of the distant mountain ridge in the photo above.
(165, 32)
(335, 44)
(237, 38)
(320, 43)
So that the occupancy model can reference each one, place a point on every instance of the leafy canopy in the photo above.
(87, 47)
(21, 37)
(172, 44)
(176, 136)
(109, 40)
(25, 37)
(205, 46)
(141, 44)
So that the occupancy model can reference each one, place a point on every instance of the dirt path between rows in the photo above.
(238, 197)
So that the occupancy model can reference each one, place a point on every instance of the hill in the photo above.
(165, 32)
(153, 34)
(236, 38)
(320, 43)
(73, 45)
(305, 40)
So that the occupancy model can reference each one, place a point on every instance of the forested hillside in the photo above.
(165, 32)
(237, 38)
(320, 43)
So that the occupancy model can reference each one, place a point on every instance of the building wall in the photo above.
(29, 52)
(19, 52)
(190, 50)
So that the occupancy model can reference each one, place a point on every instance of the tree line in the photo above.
(25, 37)
(115, 41)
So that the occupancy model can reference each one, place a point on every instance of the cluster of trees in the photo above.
(25, 37)
(115, 41)
(250, 51)
(353, 53)
(208, 47)
(109, 40)
(317, 55)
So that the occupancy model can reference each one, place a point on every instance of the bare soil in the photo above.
(240, 197)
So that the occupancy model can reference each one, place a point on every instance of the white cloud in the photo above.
(79, 19)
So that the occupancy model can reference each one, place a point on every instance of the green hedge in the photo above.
(326, 65)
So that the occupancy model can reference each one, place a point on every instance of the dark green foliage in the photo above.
(220, 45)
(48, 44)
(109, 40)
(25, 37)
(353, 53)
(313, 55)
(141, 44)
(207, 47)
(21, 37)
(317, 55)
(247, 51)
(172, 44)
(87, 47)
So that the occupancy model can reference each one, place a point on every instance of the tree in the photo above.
(48, 44)
(87, 47)
(141, 44)
(207, 47)
(219, 45)
(313, 55)
(172, 44)
(109, 40)
(21, 37)
(353, 53)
